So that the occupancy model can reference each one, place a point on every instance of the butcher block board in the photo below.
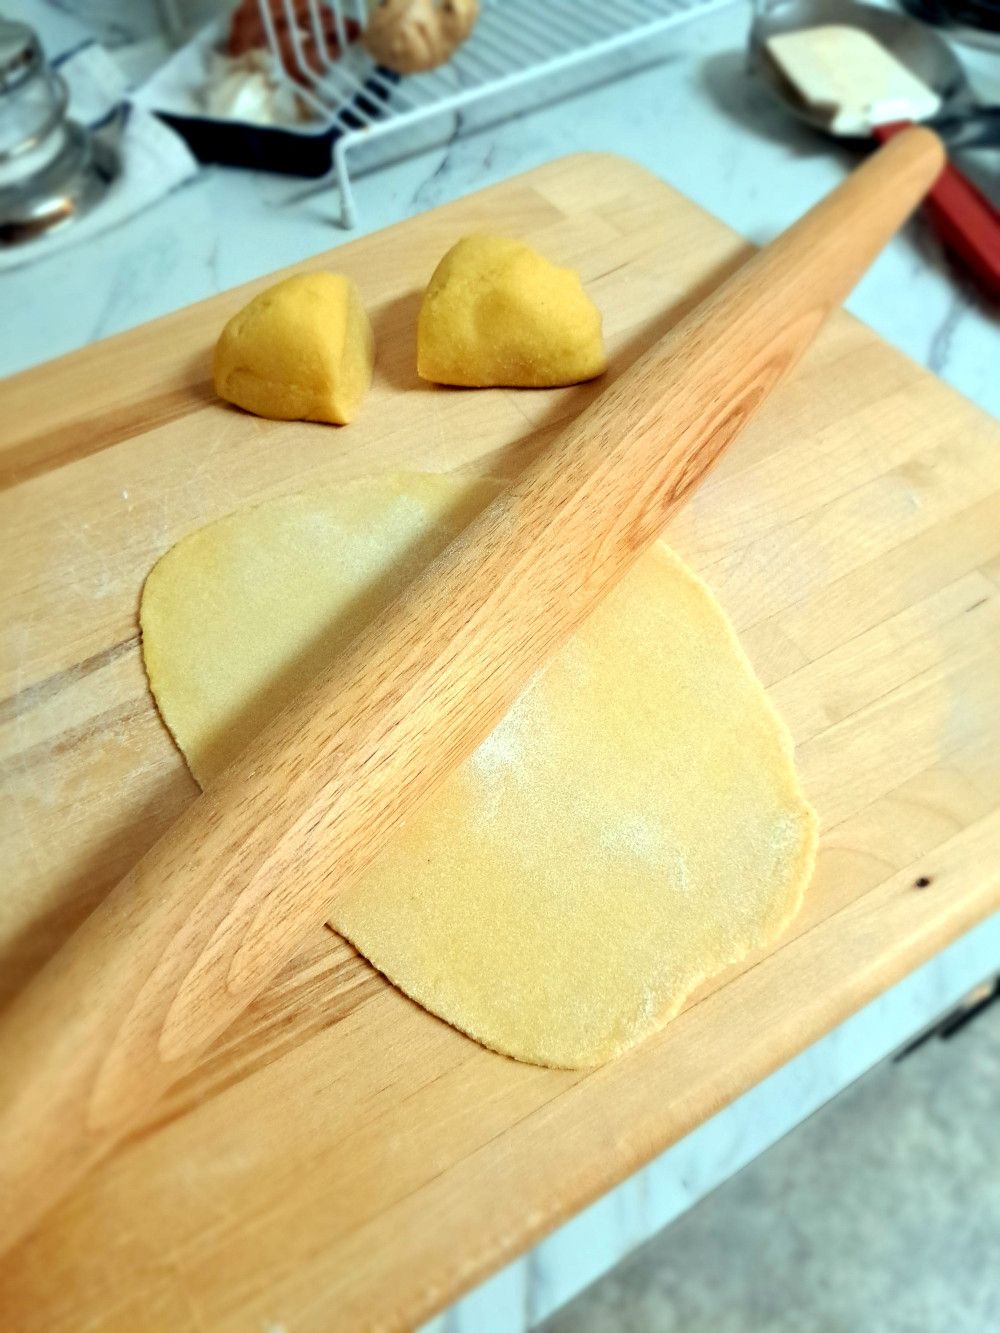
(343, 1160)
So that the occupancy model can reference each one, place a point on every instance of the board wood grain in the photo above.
(206, 920)
(342, 1159)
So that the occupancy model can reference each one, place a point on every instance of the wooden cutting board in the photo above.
(343, 1160)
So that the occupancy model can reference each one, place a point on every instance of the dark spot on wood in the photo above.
(43, 690)
(982, 602)
(924, 882)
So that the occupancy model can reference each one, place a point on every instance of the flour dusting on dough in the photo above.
(633, 825)
(501, 755)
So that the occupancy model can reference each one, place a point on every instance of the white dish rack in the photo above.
(514, 43)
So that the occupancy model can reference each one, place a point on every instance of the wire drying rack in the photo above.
(514, 43)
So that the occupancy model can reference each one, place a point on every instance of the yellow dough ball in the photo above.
(497, 312)
(301, 350)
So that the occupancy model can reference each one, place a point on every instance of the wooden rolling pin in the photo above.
(208, 917)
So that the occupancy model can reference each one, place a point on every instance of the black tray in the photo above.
(278, 148)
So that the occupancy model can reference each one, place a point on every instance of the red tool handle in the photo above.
(965, 220)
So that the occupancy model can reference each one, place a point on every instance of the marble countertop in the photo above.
(687, 110)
